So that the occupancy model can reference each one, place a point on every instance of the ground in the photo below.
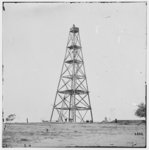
(74, 135)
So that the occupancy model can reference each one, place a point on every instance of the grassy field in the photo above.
(74, 135)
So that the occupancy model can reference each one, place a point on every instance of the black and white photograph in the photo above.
(74, 74)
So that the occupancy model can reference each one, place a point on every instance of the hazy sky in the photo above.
(113, 37)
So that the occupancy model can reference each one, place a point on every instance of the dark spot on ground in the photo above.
(24, 139)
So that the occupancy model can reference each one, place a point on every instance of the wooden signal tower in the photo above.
(72, 100)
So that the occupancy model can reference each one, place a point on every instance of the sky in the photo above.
(34, 38)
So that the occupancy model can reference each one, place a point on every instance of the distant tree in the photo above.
(11, 117)
(141, 111)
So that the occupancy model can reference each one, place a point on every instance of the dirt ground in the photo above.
(74, 135)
